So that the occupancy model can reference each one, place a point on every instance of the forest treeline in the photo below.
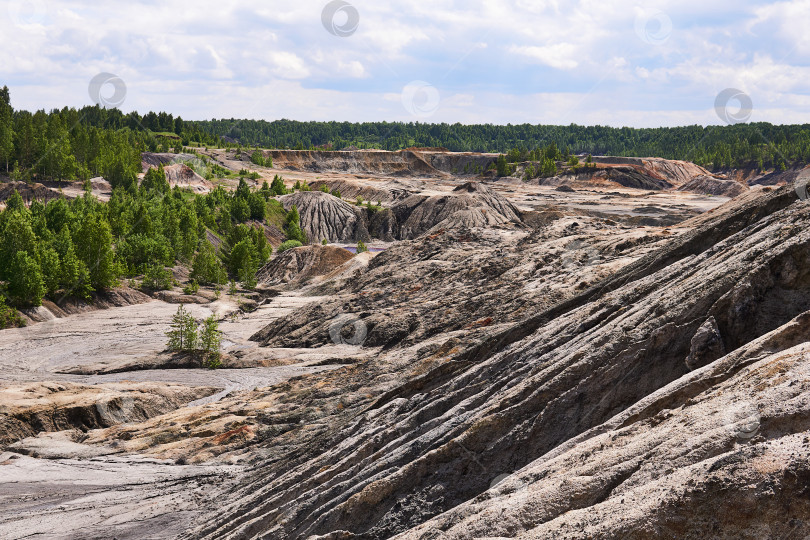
(761, 145)
(71, 144)
(72, 248)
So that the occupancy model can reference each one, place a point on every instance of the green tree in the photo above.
(51, 270)
(242, 190)
(183, 333)
(158, 278)
(93, 240)
(210, 343)
(278, 187)
(155, 181)
(501, 166)
(207, 268)
(243, 263)
(258, 206)
(6, 128)
(75, 278)
(293, 226)
(240, 210)
(17, 236)
(25, 284)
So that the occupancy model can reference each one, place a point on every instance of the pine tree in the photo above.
(210, 342)
(278, 187)
(17, 236)
(6, 128)
(183, 334)
(293, 226)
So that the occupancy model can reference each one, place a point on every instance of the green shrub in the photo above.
(9, 318)
(361, 247)
(192, 288)
(158, 278)
(289, 244)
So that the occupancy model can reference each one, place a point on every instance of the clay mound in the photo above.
(378, 162)
(672, 171)
(29, 192)
(184, 176)
(709, 185)
(632, 177)
(469, 205)
(382, 191)
(302, 264)
(153, 159)
(26, 410)
(326, 217)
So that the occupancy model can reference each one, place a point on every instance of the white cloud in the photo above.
(289, 66)
(560, 55)
(493, 60)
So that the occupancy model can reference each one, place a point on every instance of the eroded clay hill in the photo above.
(302, 264)
(325, 217)
(469, 205)
(668, 399)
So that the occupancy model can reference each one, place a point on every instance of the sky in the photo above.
(618, 63)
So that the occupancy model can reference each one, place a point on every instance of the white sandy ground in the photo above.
(44, 351)
(131, 496)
